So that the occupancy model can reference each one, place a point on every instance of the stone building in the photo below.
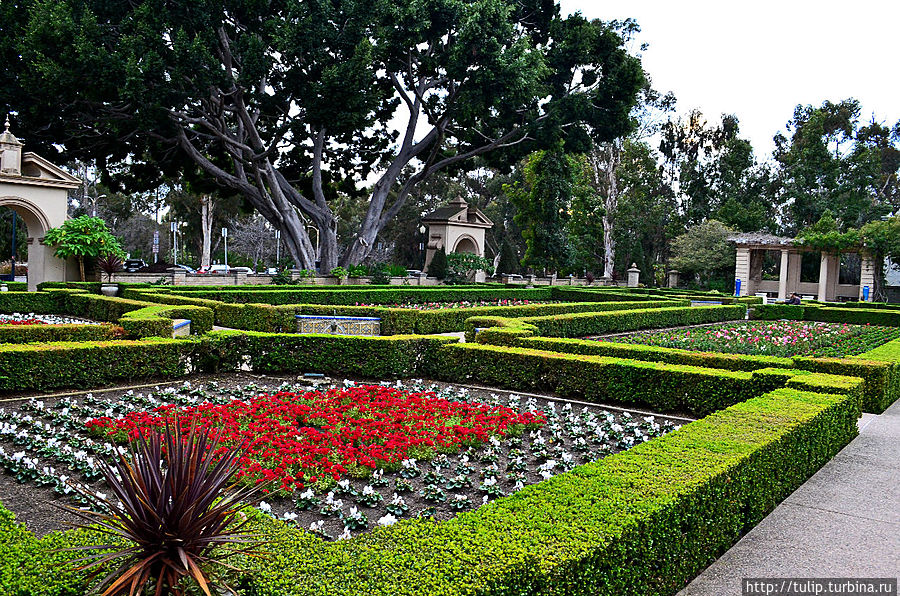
(837, 277)
(38, 192)
(457, 227)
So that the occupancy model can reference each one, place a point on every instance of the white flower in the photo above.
(289, 516)
(397, 500)
(546, 474)
(317, 526)
(307, 494)
(345, 535)
(265, 507)
(387, 520)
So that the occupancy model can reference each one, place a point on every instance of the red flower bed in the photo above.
(295, 438)
(21, 322)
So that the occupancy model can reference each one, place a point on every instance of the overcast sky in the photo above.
(759, 59)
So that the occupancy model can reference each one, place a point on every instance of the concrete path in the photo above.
(843, 522)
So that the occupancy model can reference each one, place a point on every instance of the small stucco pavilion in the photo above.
(753, 249)
(38, 192)
(457, 227)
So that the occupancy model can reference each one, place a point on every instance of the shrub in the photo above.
(171, 507)
(20, 334)
(438, 266)
(93, 364)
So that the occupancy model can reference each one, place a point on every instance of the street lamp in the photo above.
(422, 230)
(225, 238)
(277, 248)
(93, 201)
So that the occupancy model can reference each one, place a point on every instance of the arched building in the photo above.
(457, 227)
(38, 192)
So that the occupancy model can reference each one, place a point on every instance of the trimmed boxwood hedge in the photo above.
(859, 315)
(20, 334)
(374, 357)
(645, 521)
(349, 295)
(595, 323)
(92, 364)
(659, 386)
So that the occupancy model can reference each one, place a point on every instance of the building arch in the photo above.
(468, 245)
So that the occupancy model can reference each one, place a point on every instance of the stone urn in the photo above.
(109, 289)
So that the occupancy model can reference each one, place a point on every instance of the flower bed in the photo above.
(343, 460)
(36, 319)
(779, 338)
(459, 304)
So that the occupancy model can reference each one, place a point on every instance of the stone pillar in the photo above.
(530, 281)
(634, 276)
(423, 279)
(742, 269)
(824, 282)
(673, 278)
(866, 275)
(783, 275)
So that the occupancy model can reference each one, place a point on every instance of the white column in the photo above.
(823, 276)
(742, 269)
(866, 275)
(783, 276)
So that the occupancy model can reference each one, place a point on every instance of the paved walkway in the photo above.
(843, 522)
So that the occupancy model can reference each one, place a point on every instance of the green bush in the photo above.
(92, 364)
(20, 334)
(662, 387)
(595, 323)
(157, 320)
(351, 295)
(42, 303)
(372, 357)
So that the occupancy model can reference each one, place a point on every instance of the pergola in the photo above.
(751, 249)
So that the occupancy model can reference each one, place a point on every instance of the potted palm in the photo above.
(109, 264)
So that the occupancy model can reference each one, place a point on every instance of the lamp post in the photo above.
(277, 248)
(93, 201)
(225, 239)
(422, 230)
(174, 226)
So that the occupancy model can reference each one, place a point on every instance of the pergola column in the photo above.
(866, 275)
(742, 269)
(824, 267)
(783, 276)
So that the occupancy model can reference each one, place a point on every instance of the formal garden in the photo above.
(581, 440)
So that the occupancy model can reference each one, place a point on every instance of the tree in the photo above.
(542, 203)
(83, 237)
(279, 100)
(704, 250)
(605, 160)
(829, 162)
(438, 265)
(646, 216)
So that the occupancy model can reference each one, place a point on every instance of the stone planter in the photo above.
(109, 289)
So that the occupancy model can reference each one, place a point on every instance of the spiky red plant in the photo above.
(174, 502)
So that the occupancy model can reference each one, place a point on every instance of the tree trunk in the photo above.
(207, 214)
(81, 267)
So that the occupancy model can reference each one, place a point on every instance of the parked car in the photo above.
(240, 270)
(132, 265)
(214, 270)
(185, 268)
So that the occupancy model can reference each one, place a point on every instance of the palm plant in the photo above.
(173, 514)
(109, 264)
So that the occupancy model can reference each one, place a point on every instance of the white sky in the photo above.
(758, 59)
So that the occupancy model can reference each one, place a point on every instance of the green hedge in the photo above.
(349, 295)
(373, 357)
(859, 315)
(157, 320)
(42, 303)
(645, 521)
(652, 353)
(879, 369)
(582, 324)
(662, 387)
(92, 364)
(20, 334)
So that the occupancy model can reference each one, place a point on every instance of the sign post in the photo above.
(155, 246)
(173, 227)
